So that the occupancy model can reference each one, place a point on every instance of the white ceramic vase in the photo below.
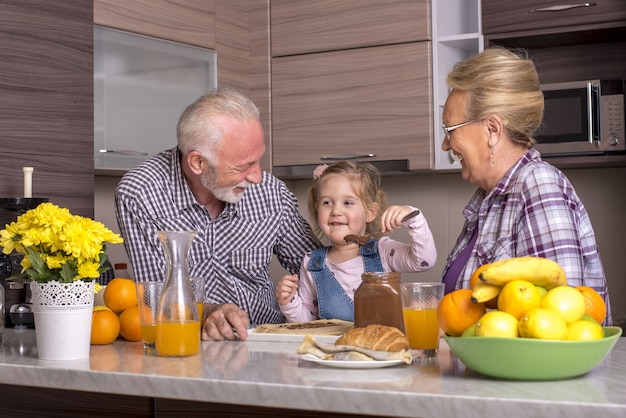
(63, 313)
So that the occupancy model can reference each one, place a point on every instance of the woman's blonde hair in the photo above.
(503, 83)
(365, 180)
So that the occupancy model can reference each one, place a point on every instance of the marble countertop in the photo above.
(272, 374)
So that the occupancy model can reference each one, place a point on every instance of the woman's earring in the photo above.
(492, 158)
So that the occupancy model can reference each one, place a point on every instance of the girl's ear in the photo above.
(196, 162)
(372, 212)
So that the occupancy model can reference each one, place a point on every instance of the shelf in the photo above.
(456, 37)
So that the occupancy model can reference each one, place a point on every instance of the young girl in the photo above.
(346, 199)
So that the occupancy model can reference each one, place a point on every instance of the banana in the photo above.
(539, 271)
(484, 292)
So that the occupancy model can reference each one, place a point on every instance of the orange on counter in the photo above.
(105, 326)
(130, 324)
(120, 294)
(456, 312)
(594, 303)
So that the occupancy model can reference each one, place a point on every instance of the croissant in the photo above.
(375, 337)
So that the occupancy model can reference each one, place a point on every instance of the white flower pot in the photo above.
(63, 313)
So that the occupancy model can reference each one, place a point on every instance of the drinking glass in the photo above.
(148, 294)
(419, 308)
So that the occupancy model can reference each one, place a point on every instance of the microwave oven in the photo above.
(582, 118)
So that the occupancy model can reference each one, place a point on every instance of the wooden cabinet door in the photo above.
(46, 101)
(370, 100)
(505, 16)
(303, 26)
(187, 21)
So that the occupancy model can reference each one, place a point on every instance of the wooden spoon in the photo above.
(364, 239)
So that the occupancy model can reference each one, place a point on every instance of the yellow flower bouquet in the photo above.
(58, 245)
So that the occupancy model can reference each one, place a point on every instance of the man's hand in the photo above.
(221, 322)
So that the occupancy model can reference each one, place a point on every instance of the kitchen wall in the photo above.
(442, 197)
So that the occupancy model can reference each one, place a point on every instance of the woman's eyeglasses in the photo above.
(448, 129)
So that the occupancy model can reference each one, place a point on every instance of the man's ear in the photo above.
(196, 162)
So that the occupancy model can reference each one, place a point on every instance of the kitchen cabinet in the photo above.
(581, 43)
(350, 80)
(457, 36)
(142, 85)
(189, 22)
(46, 100)
(236, 30)
(525, 15)
(374, 100)
(304, 26)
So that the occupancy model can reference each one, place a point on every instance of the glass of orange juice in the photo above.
(148, 294)
(419, 309)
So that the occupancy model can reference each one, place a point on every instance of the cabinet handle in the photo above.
(559, 7)
(124, 151)
(345, 156)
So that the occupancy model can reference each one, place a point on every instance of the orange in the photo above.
(594, 303)
(105, 326)
(456, 312)
(490, 304)
(120, 294)
(130, 325)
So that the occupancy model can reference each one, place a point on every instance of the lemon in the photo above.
(542, 290)
(469, 331)
(584, 330)
(543, 324)
(497, 324)
(517, 297)
(567, 301)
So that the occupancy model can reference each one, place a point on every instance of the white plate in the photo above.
(344, 364)
(287, 338)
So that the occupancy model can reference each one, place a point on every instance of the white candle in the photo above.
(28, 181)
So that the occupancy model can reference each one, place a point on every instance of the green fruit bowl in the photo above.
(532, 359)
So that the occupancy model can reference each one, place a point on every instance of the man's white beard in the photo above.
(224, 194)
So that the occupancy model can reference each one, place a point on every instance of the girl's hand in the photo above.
(392, 217)
(286, 289)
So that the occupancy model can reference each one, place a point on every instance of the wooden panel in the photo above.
(301, 26)
(172, 408)
(46, 100)
(578, 62)
(186, 21)
(260, 79)
(368, 100)
(28, 402)
(502, 16)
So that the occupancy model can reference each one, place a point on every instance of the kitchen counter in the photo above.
(256, 374)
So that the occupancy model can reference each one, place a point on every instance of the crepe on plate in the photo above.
(318, 327)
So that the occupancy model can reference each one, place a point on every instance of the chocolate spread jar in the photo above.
(377, 300)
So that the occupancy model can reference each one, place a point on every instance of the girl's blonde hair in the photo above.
(365, 180)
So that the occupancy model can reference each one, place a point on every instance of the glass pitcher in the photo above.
(177, 324)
